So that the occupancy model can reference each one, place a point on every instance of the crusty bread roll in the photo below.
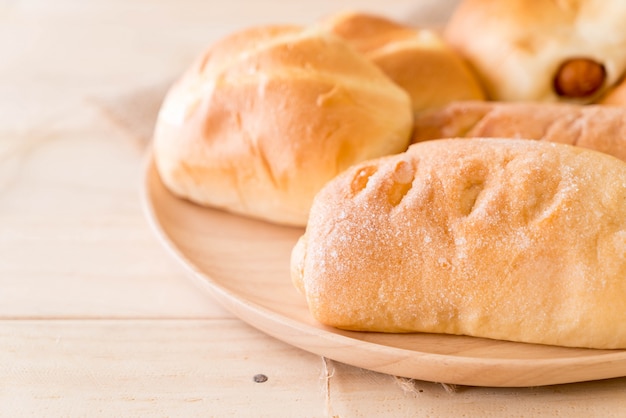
(566, 50)
(268, 115)
(601, 128)
(498, 238)
(418, 60)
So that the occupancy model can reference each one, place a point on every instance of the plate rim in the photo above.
(246, 310)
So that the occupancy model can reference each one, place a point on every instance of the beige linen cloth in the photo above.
(135, 112)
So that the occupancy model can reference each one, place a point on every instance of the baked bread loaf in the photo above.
(266, 116)
(567, 50)
(498, 238)
(601, 128)
(418, 60)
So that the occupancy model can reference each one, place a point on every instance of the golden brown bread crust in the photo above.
(597, 127)
(267, 115)
(518, 47)
(506, 239)
(418, 60)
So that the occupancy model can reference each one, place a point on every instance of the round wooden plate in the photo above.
(244, 264)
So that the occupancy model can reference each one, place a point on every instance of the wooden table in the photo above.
(95, 318)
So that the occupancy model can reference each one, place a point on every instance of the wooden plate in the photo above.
(244, 264)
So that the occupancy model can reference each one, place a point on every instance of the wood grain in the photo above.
(103, 368)
(151, 368)
(74, 242)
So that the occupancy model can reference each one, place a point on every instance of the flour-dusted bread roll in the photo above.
(498, 238)
(597, 127)
(417, 59)
(566, 50)
(267, 116)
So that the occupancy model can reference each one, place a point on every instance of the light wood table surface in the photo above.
(96, 319)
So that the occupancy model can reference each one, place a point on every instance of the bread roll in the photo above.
(597, 127)
(566, 50)
(497, 238)
(418, 60)
(266, 116)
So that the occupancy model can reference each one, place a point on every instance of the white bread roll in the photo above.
(268, 115)
(498, 238)
(417, 59)
(520, 48)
